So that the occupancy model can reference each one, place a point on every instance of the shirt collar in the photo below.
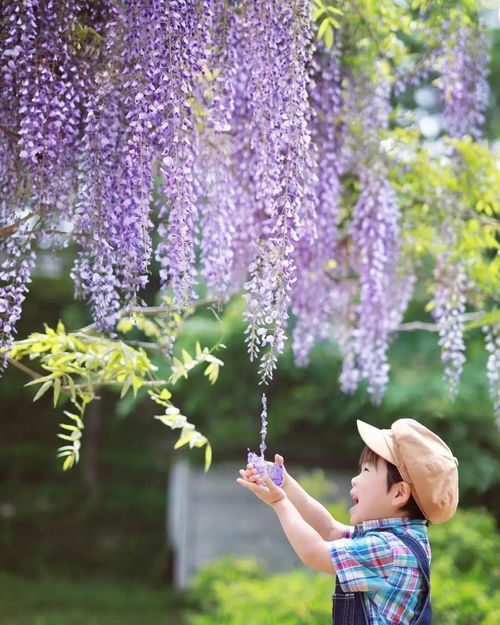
(393, 522)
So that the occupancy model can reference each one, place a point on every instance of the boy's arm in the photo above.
(316, 515)
(306, 542)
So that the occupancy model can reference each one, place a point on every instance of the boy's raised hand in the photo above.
(265, 489)
(250, 473)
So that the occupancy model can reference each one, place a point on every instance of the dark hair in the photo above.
(393, 477)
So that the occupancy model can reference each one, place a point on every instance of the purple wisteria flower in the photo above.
(375, 230)
(448, 311)
(314, 291)
(492, 342)
(276, 59)
(463, 64)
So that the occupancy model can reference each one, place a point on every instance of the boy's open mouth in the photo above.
(354, 498)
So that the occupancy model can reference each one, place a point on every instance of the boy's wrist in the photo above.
(280, 503)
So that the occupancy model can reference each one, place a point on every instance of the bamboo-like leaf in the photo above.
(68, 463)
(188, 361)
(137, 382)
(65, 437)
(42, 390)
(126, 385)
(208, 456)
(183, 439)
(318, 13)
(329, 36)
(57, 390)
(72, 389)
(40, 380)
(322, 28)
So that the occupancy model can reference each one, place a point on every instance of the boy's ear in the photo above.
(401, 494)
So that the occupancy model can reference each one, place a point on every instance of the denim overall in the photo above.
(349, 608)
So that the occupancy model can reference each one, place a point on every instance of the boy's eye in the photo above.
(365, 468)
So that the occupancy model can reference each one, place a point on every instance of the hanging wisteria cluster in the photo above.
(251, 153)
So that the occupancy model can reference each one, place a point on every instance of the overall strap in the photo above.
(425, 616)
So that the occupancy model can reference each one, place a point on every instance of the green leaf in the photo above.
(318, 13)
(125, 386)
(183, 439)
(40, 380)
(68, 463)
(208, 456)
(137, 382)
(212, 372)
(57, 390)
(42, 390)
(329, 36)
(322, 28)
(188, 361)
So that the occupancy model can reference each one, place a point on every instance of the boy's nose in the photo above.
(353, 481)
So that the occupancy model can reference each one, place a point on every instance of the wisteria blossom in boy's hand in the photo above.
(259, 467)
(276, 471)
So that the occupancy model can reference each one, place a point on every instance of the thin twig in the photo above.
(23, 368)
(112, 383)
(35, 375)
(146, 310)
(8, 230)
(9, 132)
(432, 327)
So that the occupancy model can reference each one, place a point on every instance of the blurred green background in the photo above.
(88, 546)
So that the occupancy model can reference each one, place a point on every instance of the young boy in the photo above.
(408, 477)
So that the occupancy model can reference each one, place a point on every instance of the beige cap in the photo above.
(425, 462)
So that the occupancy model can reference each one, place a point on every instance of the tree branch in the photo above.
(35, 375)
(432, 327)
(10, 133)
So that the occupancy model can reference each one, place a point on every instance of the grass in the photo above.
(58, 601)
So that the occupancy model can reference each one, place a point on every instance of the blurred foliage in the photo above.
(465, 582)
(57, 601)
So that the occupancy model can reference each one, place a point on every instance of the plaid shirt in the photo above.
(381, 566)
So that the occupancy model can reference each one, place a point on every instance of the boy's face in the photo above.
(369, 492)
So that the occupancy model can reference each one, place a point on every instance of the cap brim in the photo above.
(377, 440)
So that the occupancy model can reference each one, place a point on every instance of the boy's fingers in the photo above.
(249, 477)
(269, 483)
(279, 460)
(250, 485)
